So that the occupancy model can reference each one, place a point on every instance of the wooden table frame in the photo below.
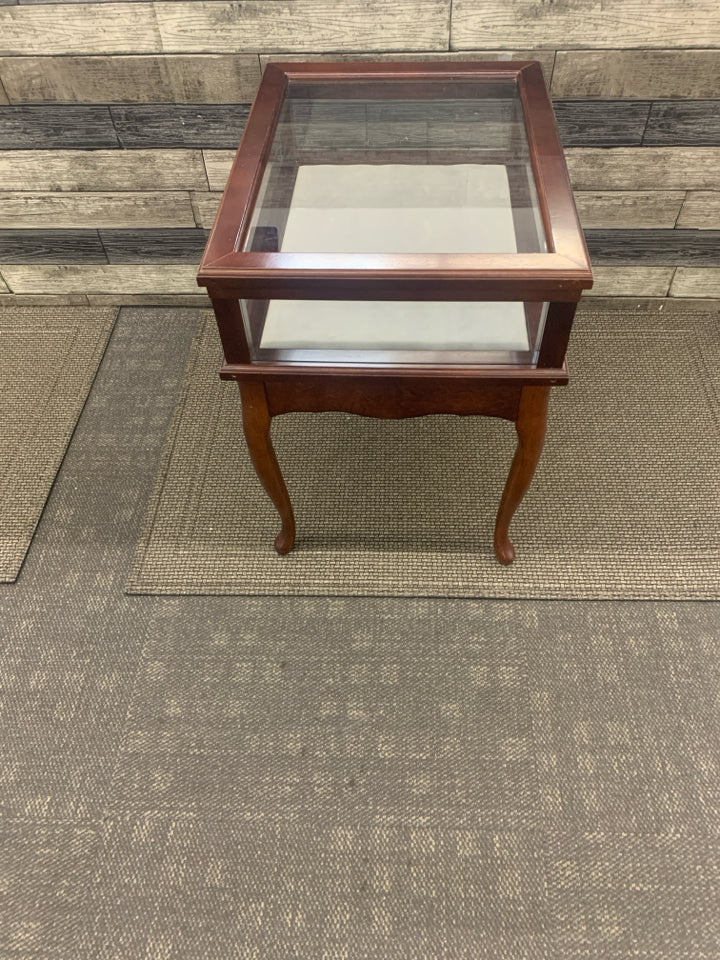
(516, 393)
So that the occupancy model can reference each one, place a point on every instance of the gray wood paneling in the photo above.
(3, 285)
(613, 23)
(613, 281)
(180, 125)
(655, 247)
(696, 282)
(601, 123)
(193, 78)
(3, 95)
(205, 207)
(68, 210)
(52, 127)
(644, 168)
(684, 122)
(217, 164)
(627, 208)
(199, 299)
(154, 246)
(51, 246)
(259, 25)
(644, 74)
(102, 170)
(701, 210)
(104, 279)
(80, 28)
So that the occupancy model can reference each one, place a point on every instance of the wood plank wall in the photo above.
(118, 122)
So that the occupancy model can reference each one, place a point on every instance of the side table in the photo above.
(397, 240)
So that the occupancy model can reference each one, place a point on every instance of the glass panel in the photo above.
(366, 332)
(353, 171)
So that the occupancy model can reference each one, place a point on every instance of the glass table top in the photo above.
(397, 176)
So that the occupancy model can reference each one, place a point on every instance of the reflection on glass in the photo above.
(405, 175)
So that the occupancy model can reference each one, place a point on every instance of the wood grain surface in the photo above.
(179, 125)
(53, 128)
(153, 246)
(101, 278)
(103, 170)
(701, 210)
(205, 207)
(217, 165)
(605, 123)
(613, 281)
(644, 168)
(612, 23)
(629, 208)
(642, 74)
(79, 28)
(655, 247)
(680, 122)
(192, 78)
(696, 282)
(265, 25)
(51, 246)
(57, 211)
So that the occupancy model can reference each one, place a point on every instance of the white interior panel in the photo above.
(395, 208)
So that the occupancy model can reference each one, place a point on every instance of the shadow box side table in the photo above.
(398, 240)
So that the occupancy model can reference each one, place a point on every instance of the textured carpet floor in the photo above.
(354, 778)
(48, 359)
(626, 501)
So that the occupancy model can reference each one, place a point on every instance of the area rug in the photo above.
(625, 502)
(48, 360)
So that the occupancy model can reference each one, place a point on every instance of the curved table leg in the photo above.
(256, 424)
(531, 424)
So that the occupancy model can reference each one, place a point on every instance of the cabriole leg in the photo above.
(256, 424)
(531, 425)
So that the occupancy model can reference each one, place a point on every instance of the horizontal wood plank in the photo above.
(79, 28)
(196, 300)
(56, 128)
(173, 78)
(696, 282)
(701, 210)
(688, 307)
(546, 58)
(180, 125)
(643, 74)
(101, 279)
(654, 247)
(644, 168)
(575, 23)
(51, 246)
(303, 25)
(3, 95)
(629, 208)
(205, 207)
(68, 210)
(217, 165)
(613, 281)
(154, 246)
(102, 170)
(684, 122)
(601, 123)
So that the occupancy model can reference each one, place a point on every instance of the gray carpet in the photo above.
(625, 504)
(360, 778)
(48, 359)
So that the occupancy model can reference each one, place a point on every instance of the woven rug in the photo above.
(48, 360)
(625, 502)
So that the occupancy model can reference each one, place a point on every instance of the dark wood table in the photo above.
(397, 240)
